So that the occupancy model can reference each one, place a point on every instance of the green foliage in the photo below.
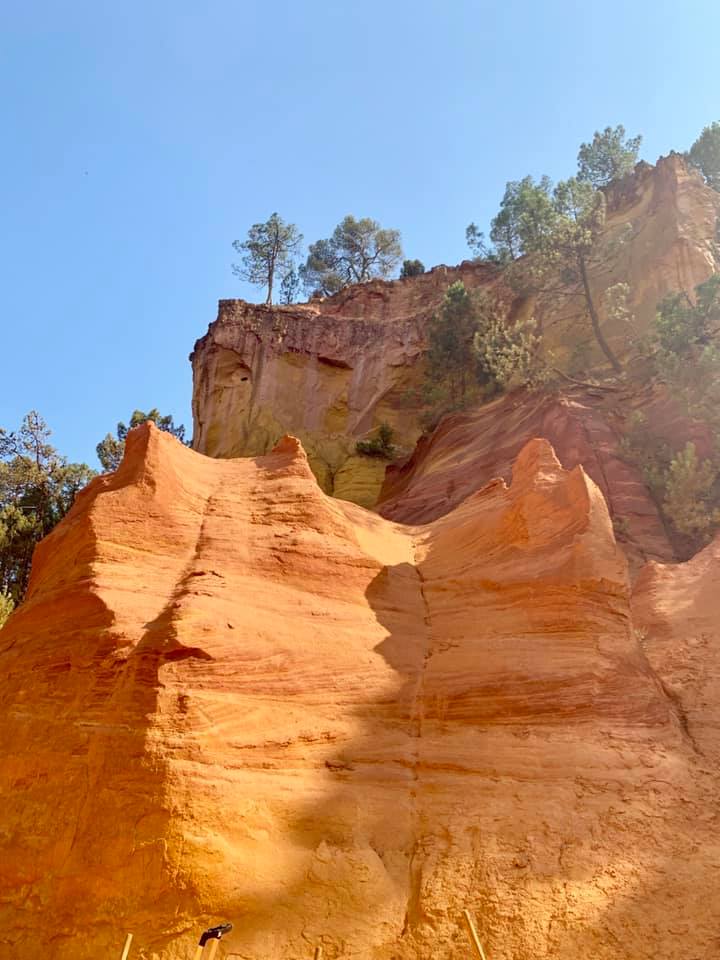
(37, 488)
(290, 287)
(110, 450)
(648, 452)
(691, 494)
(473, 352)
(6, 607)
(358, 251)
(412, 268)
(608, 157)
(268, 252)
(556, 235)
(525, 219)
(451, 362)
(379, 446)
(705, 154)
(687, 354)
(685, 489)
(481, 250)
(507, 355)
(547, 237)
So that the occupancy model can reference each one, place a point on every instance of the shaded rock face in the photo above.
(676, 611)
(230, 696)
(332, 370)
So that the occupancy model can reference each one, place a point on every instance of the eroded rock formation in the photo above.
(586, 425)
(332, 370)
(229, 695)
(328, 371)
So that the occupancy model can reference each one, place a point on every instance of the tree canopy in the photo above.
(268, 253)
(609, 156)
(357, 251)
(412, 268)
(473, 350)
(37, 488)
(110, 450)
(705, 154)
(546, 236)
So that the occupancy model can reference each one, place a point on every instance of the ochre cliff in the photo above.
(230, 696)
(662, 234)
(328, 371)
(586, 425)
(332, 370)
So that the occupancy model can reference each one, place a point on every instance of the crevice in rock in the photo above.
(678, 709)
(413, 912)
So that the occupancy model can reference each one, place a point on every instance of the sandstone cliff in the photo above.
(229, 695)
(328, 371)
(332, 370)
(586, 425)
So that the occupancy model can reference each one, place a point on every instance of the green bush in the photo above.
(380, 446)
(691, 494)
(685, 488)
(412, 268)
(6, 607)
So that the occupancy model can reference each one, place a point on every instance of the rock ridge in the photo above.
(231, 695)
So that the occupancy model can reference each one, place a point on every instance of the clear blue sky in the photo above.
(141, 139)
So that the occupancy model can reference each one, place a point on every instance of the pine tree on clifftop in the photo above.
(268, 253)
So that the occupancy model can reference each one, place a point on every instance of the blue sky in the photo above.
(141, 139)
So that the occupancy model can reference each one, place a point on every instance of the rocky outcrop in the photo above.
(660, 236)
(586, 425)
(329, 372)
(332, 370)
(230, 696)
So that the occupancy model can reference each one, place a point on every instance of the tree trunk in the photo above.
(271, 277)
(594, 319)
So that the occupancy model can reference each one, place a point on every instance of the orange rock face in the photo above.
(470, 448)
(229, 696)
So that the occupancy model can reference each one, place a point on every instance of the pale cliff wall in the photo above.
(330, 371)
(229, 696)
(661, 235)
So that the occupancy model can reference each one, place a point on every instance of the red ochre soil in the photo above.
(230, 696)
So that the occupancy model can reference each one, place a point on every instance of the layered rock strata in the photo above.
(230, 696)
(586, 425)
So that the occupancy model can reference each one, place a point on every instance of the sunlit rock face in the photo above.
(586, 426)
(332, 370)
(230, 696)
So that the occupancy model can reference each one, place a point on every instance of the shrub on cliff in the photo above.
(379, 446)
(6, 607)
(546, 237)
(685, 488)
(412, 268)
(705, 154)
(357, 251)
(110, 450)
(687, 352)
(474, 352)
(268, 252)
(37, 488)
(451, 363)
(691, 494)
